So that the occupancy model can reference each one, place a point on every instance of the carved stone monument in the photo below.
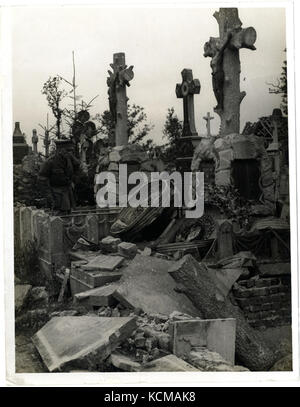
(226, 67)
(186, 91)
(117, 81)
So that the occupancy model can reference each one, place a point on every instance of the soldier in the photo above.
(59, 170)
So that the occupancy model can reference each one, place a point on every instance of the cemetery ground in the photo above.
(140, 289)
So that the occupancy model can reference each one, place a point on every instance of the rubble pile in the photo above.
(131, 299)
(25, 179)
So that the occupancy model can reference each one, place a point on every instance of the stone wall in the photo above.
(55, 236)
(266, 302)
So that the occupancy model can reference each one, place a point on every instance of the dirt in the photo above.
(27, 357)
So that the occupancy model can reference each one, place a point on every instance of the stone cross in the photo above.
(186, 91)
(47, 143)
(274, 149)
(34, 140)
(117, 81)
(226, 67)
(208, 118)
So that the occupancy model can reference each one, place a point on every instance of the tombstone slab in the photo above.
(80, 342)
(103, 263)
(82, 280)
(169, 363)
(217, 335)
(146, 284)
(100, 296)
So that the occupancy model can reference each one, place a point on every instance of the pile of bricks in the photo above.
(266, 302)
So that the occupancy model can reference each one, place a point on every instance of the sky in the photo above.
(158, 42)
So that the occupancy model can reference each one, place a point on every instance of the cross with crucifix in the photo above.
(117, 81)
(226, 67)
(186, 91)
(208, 118)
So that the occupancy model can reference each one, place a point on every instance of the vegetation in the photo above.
(138, 126)
(281, 87)
(55, 95)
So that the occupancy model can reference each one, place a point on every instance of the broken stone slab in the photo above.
(225, 279)
(147, 251)
(240, 259)
(100, 296)
(82, 255)
(207, 361)
(217, 335)
(124, 363)
(169, 363)
(22, 292)
(103, 262)
(82, 342)
(109, 244)
(82, 280)
(127, 249)
(146, 284)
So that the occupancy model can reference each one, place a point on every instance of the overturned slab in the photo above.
(82, 342)
(217, 335)
(169, 363)
(104, 262)
(146, 284)
(97, 297)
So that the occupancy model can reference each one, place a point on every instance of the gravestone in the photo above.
(225, 248)
(226, 67)
(97, 297)
(92, 228)
(104, 262)
(186, 91)
(26, 234)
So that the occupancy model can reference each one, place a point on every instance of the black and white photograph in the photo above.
(149, 153)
